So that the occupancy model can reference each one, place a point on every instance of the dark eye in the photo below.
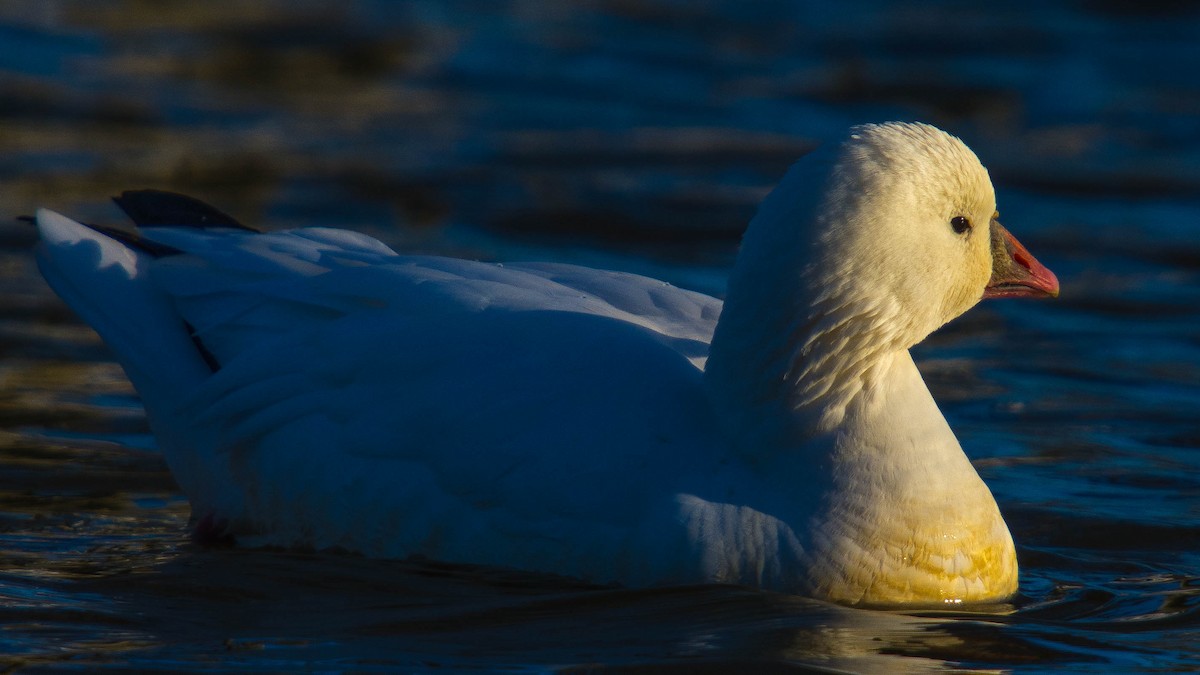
(960, 224)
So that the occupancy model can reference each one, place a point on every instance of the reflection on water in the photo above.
(156, 602)
(637, 136)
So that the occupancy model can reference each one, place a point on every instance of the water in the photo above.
(631, 135)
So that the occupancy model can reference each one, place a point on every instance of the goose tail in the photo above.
(104, 276)
(106, 281)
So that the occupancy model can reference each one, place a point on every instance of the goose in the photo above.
(313, 388)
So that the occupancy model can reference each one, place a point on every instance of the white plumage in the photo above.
(312, 387)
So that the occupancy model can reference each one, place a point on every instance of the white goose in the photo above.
(313, 388)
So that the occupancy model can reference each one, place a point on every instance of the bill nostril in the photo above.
(1022, 260)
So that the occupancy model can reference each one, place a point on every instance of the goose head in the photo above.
(908, 229)
(863, 249)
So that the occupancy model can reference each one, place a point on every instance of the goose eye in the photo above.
(960, 224)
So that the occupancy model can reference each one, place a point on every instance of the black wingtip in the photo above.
(209, 358)
(153, 248)
(159, 208)
(130, 239)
